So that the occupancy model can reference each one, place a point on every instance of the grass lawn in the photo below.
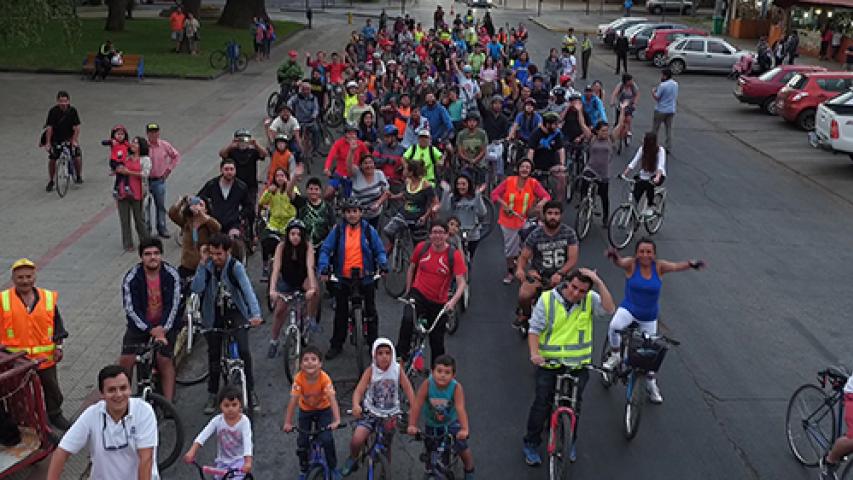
(148, 37)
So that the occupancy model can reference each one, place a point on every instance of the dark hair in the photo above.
(62, 94)
(466, 177)
(649, 161)
(149, 242)
(229, 393)
(598, 126)
(667, 73)
(110, 371)
(524, 160)
(143, 146)
(220, 240)
(627, 78)
(453, 218)
(446, 360)
(314, 181)
(580, 276)
(275, 174)
(439, 223)
(416, 167)
(312, 349)
(226, 161)
(552, 204)
(646, 240)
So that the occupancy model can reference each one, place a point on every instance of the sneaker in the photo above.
(273, 349)
(79, 180)
(612, 362)
(256, 404)
(333, 352)
(531, 456)
(648, 212)
(628, 138)
(573, 454)
(49, 187)
(210, 406)
(349, 467)
(827, 470)
(508, 278)
(653, 390)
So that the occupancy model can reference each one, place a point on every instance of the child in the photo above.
(233, 433)
(318, 407)
(442, 403)
(453, 227)
(118, 154)
(379, 387)
(282, 158)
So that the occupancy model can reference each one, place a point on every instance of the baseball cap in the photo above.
(23, 262)
(152, 127)
(424, 133)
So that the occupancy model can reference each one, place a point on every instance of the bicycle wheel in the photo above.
(487, 224)
(218, 60)
(377, 467)
(335, 114)
(194, 368)
(620, 229)
(654, 222)
(809, 424)
(634, 405)
(291, 353)
(272, 105)
(170, 431)
(358, 340)
(316, 473)
(584, 218)
(241, 62)
(395, 279)
(559, 461)
(62, 178)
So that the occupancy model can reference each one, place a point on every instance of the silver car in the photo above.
(657, 7)
(702, 53)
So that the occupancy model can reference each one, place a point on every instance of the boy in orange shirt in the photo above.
(282, 158)
(315, 393)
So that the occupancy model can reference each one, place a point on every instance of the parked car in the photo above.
(797, 101)
(661, 39)
(834, 125)
(702, 53)
(638, 36)
(480, 3)
(762, 90)
(610, 33)
(684, 7)
(603, 27)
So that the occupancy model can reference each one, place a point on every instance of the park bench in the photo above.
(134, 65)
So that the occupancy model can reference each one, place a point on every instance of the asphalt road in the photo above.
(761, 319)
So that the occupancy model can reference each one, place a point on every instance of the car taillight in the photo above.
(799, 96)
(833, 129)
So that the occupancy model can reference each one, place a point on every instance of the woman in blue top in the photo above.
(643, 282)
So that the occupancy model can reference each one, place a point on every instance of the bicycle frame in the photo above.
(420, 336)
(231, 361)
(831, 402)
(440, 455)
(563, 404)
(295, 307)
(318, 454)
(376, 443)
(146, 369)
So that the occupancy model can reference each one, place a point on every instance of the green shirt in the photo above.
(415, 152)
(477, 60)
(455, 110)
(472, 143)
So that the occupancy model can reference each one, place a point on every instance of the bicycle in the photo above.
(229, 59)
(561, 426)
(318, 467)
(453, 318)
(815, 415)
(398, 260)
(221, 473)
(194, 368)
(357, 326)
(439, 457)
(296, 332)
(641, 353)
(588, 204)
(64, 171)
(378, 446)
(334, 114)
(626, 219)
(414, 365)
(170, 428)
(577, 156)
(233, 367)
(277, 99)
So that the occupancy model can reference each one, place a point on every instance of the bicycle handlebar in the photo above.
(314, 433)
(411, 302)
(586, 366)
(335, 279)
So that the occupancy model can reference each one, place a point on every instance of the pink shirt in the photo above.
(164, 158)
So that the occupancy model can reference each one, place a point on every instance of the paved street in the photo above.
(746, 192)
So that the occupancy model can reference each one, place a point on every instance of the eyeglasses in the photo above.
(114, 445)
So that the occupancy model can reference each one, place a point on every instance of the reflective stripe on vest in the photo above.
(7, 304)
(569, 344)
(513, 185)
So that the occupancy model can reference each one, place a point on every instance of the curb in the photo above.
(540, 23)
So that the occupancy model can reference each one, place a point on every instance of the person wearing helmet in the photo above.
(287, 124)
(471, 145)
(288, 74)
(282, 158)
(557, 103)
(246, 153)
(424, 152)
(347, 147)
(292, 270)
(388, 155)
(278, 199)
(350, 97)
(353, 246)
(119, 144)
(526, 122)
(545, 149)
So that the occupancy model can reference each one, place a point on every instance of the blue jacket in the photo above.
(595, 109)
(372, 251)
(439, 121)
(204, 282)
(134, 294)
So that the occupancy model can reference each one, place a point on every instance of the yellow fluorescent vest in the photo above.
(566, 338)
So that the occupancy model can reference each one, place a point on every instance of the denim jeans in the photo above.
(158, 191)
(315, 419)
(540, 411)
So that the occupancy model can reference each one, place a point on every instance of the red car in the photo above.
(656, 49)
(762, 90)
(797, 101)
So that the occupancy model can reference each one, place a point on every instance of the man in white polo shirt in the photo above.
(120, 432)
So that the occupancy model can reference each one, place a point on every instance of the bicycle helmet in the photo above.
(497, 98)
(352, 84)
(295, 223)
(350, 203)
(242, 133)
(558, 92)
(390, 130)
(575, 96)
(117, 128)
(472, 115)
(550, 117)
(281, 137)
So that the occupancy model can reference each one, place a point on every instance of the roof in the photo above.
(835, 3)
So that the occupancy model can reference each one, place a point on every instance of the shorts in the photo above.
(848, 414)
(336, 183)
(178, 35)
(372, 423)
(55, 151)
(283, 287)
(459, 446)
(134, 338)
(512, 242)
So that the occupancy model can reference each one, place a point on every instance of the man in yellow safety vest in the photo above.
(30, 322)
(560, 341)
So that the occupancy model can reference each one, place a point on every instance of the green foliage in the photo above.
(24, 23)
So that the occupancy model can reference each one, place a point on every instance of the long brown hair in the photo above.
(650, 152)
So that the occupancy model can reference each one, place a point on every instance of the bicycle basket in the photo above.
(645, 353)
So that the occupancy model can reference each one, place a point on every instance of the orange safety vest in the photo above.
(519, 201)
(401, 119)
(30, 332)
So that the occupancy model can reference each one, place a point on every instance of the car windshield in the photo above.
(768, 75)
(843, 99)
(798, 81)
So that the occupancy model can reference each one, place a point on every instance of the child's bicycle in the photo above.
(222, 473)
(374, 455)
(318, 468)
(440, 458)
(414, 364)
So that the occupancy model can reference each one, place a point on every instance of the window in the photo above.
(798, 81)
(833, 84)
(679, 45)
(788, 75)
(694, 46)
(718, 48)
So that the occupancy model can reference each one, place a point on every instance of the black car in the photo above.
(610, 34)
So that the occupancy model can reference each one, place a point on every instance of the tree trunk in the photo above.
(115, 15)
(192, 6)
(130, 4)
(239, 13)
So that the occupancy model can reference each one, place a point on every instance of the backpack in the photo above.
(451, 253)
(337, 230)
(431, 151)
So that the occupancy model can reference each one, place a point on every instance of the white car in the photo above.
(834, 125)
(604, 27)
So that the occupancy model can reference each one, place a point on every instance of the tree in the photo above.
(116, 15)
(239, 13)
(192, 6)
(23, 22)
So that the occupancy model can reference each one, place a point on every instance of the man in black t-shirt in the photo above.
(576, 127)
(545, 149)
(62, 125)
(246, 153)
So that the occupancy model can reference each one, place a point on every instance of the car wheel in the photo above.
(769, 106)
(806, 119)
(677, 66)
(659, 59)
(657, 10)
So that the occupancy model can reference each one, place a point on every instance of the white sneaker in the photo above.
(647, 212)
(653, 390)
(612, 362)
